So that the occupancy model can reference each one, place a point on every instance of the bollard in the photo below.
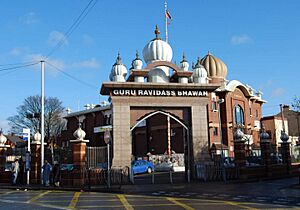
(171, 178)
(131, 175)
(152, 177)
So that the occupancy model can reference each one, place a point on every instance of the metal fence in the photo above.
(96, 157)
(216, 172)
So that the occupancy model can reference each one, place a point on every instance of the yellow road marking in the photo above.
(125, 202)
(183, 205)
(238, 205)
(35, 198)
(74, 200)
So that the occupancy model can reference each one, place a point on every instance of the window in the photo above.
(256, 113)
(250, 112)
(215, 131)
(239, 115)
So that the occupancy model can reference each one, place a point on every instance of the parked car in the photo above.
(228, 162)
(253, 160)
(142, 166)
(276, 158)
(67, 167)
(164, 166)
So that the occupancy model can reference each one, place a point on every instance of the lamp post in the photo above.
(42, 115)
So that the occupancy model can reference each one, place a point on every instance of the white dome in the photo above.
(184, 64)
(137, 63)
(3, 139)
(118, 71)
(79, 134)
(157, 50)
(37, 137)
(199, 73)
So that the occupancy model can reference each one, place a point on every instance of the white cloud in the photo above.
(277, 92)
(87, 39)
(29, 18)
(240, 39)
(16, 51)
(92, 63)
(56, 37)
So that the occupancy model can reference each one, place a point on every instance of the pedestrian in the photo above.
(47, 168)
(56, 173)
(15, 170)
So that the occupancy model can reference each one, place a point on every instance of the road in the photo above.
(55, 199)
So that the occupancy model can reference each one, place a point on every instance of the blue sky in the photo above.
(257, 40)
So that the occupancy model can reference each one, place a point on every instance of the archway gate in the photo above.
(126, 101)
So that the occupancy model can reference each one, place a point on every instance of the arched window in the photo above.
(239, 115)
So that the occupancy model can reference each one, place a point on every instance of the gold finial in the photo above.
(157, 32)
(118, 61)
(137, 54)
(208, 53)
(183, 58)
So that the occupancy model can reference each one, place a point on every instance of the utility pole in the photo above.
(42, 116)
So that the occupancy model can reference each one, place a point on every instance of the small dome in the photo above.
(184, 65)
(199, 73)
(284, 137)
(214, 66)
(37, 137)
(238, 134)
(79, 134)
(157, 50)
(3, 139)
(264, 136)
(118, 71)
(137, 63)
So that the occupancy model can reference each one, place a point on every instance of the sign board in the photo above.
(26, 134)
(101, 129)
(164, 93)
(107, 136)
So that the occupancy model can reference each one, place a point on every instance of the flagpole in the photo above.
(166, 21)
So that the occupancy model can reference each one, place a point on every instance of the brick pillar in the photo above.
(239, 148)
(285, 151)
(35, 164)
(2, 157)
(79, 158)
(265, 146)
(3, 148)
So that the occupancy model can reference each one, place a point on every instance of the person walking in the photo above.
(47, 168)
(56, 173)
(15, 170)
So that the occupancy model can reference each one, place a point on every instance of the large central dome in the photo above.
(157, 50)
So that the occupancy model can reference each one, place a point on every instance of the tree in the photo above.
(28, 116)
(296, 104)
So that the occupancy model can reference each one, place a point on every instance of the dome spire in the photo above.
(137, 55)
(118, 61)
(157, 32)
(198, 64)
(183, 58)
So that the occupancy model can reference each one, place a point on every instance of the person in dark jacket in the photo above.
(47, 168)
(56, 173)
